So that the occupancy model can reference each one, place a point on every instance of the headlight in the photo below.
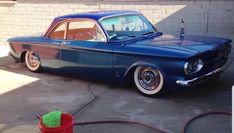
(193, 66)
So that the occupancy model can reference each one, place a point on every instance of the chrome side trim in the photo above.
(202, 78)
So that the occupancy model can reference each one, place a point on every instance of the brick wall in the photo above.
(205, 17)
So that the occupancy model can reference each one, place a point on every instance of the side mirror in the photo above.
(160, 32)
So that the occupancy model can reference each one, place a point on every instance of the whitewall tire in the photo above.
(148, 80)
(32, 61)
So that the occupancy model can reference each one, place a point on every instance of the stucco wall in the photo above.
(205, 17)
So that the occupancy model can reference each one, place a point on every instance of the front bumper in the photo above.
(202, 78)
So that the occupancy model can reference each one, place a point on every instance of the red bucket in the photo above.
(67, 123)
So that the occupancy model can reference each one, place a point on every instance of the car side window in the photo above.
(84, 30)
(59, 32)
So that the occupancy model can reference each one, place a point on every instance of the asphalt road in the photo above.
(24, 94)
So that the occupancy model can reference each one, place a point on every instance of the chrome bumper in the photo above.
(204, 77)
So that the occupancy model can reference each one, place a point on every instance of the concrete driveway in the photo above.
(24, 94)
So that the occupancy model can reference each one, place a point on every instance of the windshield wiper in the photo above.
(147, 33)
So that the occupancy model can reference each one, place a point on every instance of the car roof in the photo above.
(96, 15)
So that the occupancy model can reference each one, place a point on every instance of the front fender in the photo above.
(142, 63)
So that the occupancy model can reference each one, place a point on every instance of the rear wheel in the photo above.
(32, 61)
(148, 80)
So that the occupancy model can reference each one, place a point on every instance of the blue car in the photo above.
(120, 46)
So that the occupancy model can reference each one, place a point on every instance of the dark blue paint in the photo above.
(90, 59)
(111, 61)
(95, 15)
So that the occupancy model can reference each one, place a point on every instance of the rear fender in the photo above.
(23, 53)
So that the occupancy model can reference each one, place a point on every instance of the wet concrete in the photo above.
(24, 94)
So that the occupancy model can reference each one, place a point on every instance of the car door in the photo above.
(50, 53)
(85, 53)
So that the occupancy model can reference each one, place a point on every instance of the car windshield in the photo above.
(127, 26)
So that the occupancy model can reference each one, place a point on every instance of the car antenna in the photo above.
(182, 29)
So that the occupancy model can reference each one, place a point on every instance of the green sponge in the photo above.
(52, 119)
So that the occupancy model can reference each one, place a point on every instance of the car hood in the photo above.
(187, 47)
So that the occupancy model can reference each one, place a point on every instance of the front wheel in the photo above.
(148, 80)
(32, 61)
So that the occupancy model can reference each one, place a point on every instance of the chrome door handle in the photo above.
(64, 43)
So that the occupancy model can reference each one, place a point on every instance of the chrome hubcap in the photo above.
(33, 60)
(149, 78)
